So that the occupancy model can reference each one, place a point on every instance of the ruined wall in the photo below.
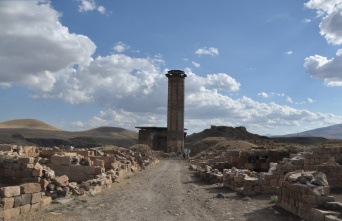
(16, 200)
(305, 194)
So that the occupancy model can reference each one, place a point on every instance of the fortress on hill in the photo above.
(170, 138)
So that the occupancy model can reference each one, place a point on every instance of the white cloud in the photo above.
(330, 27)
(307, 20)
(328, 69)
(101, 9)
(263, 94)
(59, 64)
(90, 5)
(219, 81)
(41, 46)
(288, 99)
(289, 53)
(309, 100)
(197, 65)
(207, 51)
(120, 47)
(323, 6)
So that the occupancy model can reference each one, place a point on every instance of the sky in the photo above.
(272, 66)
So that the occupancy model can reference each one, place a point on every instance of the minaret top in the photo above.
(175, 73)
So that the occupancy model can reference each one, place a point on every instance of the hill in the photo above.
(224, 138)
(331, 132)
(28, 124)
(35, 132)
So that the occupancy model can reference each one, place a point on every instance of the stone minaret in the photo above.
(175, 110)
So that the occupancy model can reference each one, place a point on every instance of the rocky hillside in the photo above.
(34, 132)
(219, 138)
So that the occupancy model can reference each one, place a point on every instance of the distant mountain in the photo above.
(331, 132)
(35, 132)
(28, 124)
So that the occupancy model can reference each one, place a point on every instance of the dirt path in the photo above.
(165, 191)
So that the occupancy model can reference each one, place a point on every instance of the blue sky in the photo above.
(273, 66)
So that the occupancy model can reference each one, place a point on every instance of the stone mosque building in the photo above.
(170, 138)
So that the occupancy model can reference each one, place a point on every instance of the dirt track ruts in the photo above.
(165, 191)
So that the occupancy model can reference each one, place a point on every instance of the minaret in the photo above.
(175, 110)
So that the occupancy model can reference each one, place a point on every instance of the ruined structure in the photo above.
(175, 110)
(170, 139)
(155, 137)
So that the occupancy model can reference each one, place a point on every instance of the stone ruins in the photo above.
(301, 183)
(31, 177)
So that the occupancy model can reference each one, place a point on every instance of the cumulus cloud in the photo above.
(328, 69)
(90, 5)
(39, 44)
(323, 6)
(132, 90)
(207, 51)
(330, 27)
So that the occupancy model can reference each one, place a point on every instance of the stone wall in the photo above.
(256, 160)
(306, 194)
(30, 176)
(16, 200)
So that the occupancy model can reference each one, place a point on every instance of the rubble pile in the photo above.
(208, 173)
(30, 177)
(304, 194)
(242, 181)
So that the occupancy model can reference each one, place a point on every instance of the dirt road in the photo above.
(165, 191)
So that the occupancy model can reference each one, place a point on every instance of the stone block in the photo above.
(17, 201)
(89, 170)
(7, 172)
(16, 166)
(30, 188)
(56, 159)
(25, 209)
(319, 215)
(37, 173)
(76, 169)
(99, 163)
(79, 177)
(65, 161)
(44, 201)
(26, 173)
(35, 206)
(26, 198)
(7, 164)
(36, 197)
(62, 181)
(10, 191)
(29, 151)
(44, 183)
(99, 170)
(6, 147)
(26, 160)
(6, 203)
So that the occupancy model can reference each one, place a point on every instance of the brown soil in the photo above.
(167, 190)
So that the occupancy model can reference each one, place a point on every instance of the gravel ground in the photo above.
(167, 190)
